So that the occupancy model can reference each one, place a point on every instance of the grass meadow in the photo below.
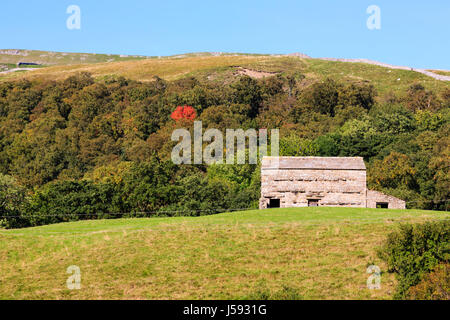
(308, 253)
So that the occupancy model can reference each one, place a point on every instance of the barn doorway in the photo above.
(274, 203)
(313, 203)
(382, 205)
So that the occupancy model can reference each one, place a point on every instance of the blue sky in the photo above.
(413, 33)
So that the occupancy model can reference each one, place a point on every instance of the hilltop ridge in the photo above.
(10, 58)
(216, 66)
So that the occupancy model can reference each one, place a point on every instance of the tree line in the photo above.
(100, 148)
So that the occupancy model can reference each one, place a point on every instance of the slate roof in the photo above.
(319, 163)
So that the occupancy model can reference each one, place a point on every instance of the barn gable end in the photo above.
(377, 199)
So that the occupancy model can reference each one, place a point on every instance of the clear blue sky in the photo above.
(414, 33)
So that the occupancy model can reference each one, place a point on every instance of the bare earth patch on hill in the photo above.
(255, 74)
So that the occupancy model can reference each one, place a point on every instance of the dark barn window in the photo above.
(382, 205)
(313, 203)
(274, 203)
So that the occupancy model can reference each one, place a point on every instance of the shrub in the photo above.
(415, 250)
(434, 286)
(418, 98)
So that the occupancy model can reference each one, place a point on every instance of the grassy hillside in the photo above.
(316, 253)
(49, 58)
(224, 66)
(13, 56)
(441, 72)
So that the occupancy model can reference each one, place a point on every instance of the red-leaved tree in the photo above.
(184, 112)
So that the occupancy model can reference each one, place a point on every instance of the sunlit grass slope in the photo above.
(224, 68)
(317, 253)
(15, 56)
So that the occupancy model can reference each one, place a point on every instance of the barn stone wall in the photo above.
(294, 187)
(322, 181)
(374, 197)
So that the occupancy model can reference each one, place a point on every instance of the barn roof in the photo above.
(320, 163)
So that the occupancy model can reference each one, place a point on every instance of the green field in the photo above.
(303, 253)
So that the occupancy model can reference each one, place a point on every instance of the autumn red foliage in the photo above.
(184, 112)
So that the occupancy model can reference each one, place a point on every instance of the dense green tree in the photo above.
(393, 119)
(13, 201)
(240, 176)
(431, 121)
(357, 95)
(328, 145)
(247, 91)
(197, 195)
(72, 200)
(149, 186)
(325, 96)
(394, 171)
(360, 138)
(294, 146)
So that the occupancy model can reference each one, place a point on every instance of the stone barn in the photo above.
(319, 181)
